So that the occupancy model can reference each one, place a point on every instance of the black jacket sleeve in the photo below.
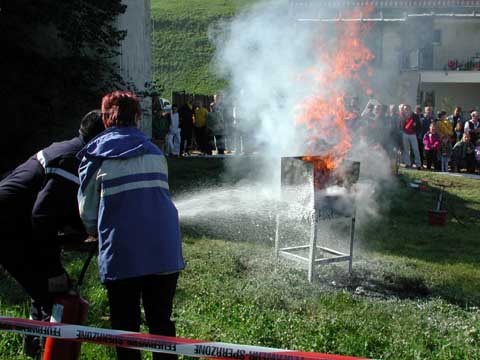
(55, 207)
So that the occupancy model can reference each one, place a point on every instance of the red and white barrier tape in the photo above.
(156, 343)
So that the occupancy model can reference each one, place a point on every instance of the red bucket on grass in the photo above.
(437, 217)
(423, 185)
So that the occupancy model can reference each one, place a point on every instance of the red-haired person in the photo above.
(124, 198)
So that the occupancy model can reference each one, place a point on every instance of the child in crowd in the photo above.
(444, 127)
(463, 154)
(458, 133)
(445, 153)
(173, 135)
(431, 143)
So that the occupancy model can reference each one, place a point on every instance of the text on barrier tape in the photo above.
(157, 343)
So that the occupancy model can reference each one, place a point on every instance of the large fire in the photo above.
(323, 169)
(324, 113)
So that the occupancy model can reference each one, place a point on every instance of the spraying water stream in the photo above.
(232, 212)
(252, 199)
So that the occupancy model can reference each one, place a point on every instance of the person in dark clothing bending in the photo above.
(37, 199)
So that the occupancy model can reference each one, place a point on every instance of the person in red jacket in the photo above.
(431, 143)
(408, 125)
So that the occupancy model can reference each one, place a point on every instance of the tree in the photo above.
(57, 60)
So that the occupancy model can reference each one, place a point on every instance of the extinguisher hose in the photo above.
(86, 264)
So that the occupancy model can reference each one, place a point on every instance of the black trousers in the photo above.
(470, 162)
(219, 140)
(156, 292)
(16, 259)
(202, 139)
(186, 140)
(432, 158)
(421, 151)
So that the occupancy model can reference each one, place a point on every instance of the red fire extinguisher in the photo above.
(68, 308)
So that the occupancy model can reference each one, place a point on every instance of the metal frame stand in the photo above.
(313, 248)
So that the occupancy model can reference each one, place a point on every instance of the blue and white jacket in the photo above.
(124, 198)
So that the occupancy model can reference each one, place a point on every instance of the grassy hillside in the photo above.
(181, 49)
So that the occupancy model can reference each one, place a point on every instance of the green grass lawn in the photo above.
(182, 51)
(414, 292)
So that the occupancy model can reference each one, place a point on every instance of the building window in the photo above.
(437, 37)
(430, 98)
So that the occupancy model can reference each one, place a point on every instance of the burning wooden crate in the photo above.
(322, 189)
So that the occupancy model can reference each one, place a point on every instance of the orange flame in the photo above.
(324, 113)
(323, 165)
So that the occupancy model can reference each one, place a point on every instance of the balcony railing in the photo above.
(471, 64)
(422, 59)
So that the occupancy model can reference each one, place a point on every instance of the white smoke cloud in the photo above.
(262, 52)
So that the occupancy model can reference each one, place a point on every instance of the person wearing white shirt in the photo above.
(472, 127)
(173, 135)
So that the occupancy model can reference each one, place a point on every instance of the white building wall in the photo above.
(391, 45)
(390, 85)
(460, 39)
(386, 82)
(135, 58)
(448, 95)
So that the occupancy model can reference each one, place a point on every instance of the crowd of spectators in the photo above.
(215, 128)
(195, 128)
(423, 139)
(419, 138)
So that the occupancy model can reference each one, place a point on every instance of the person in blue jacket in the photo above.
(124, 198)
(37, 200)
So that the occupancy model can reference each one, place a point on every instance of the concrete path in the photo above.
(470, 176)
